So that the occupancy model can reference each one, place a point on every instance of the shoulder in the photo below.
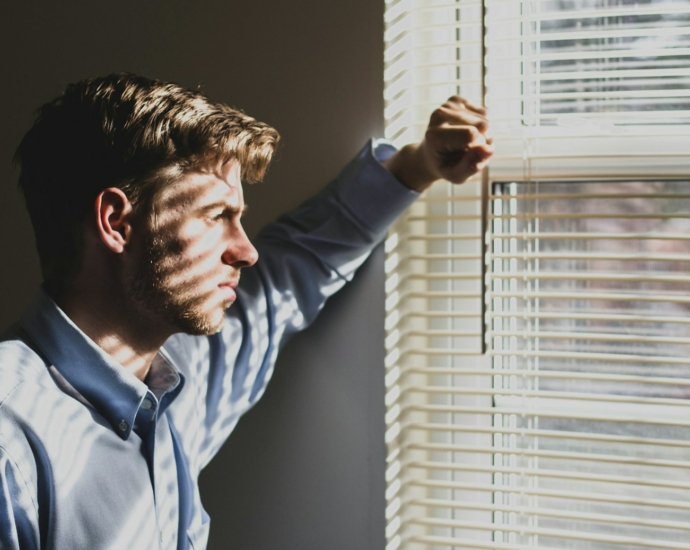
(20, 369)
(28, 403)
(18, 363)
(27, 390)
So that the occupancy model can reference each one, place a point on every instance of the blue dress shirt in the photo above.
(91, 457)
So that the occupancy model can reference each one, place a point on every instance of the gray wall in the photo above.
(304, 469)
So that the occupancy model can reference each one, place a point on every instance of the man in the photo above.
(130, 369)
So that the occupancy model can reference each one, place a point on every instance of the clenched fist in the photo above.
(455, 146)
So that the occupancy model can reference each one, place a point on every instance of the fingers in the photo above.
(457, 111)
(445, 116)
(460, 167)
(460, 102)
(456, 146)
(457, 151)
(457, 138)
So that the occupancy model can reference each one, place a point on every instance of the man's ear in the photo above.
(113, 219)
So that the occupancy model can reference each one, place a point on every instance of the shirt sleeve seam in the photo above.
(9, 393)
(22, 476)
(9, 456)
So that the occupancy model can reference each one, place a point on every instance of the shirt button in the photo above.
(123, 426)
(146, 404)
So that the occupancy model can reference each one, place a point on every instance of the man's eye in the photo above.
(223, 215)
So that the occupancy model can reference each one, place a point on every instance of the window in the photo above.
(538, 365)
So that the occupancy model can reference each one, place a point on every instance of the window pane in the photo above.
(589, 317)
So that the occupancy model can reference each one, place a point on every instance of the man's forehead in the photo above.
(228, 171)
(206, 183)
(222, 169)
(231, 170)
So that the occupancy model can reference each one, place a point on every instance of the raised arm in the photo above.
(309, 254)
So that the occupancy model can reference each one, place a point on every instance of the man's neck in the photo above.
(126, 337)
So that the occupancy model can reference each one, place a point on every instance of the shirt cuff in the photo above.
(370, 191)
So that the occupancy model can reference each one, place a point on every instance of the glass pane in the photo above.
(608, 56)
(591, 344)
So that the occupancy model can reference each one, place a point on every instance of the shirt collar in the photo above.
(112, 390)
(163, 380)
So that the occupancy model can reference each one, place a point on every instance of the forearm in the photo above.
(325, 240)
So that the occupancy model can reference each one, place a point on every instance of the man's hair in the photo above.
(130, 132)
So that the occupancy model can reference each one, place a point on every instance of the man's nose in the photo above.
(240, 252)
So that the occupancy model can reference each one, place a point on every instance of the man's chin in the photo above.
(204, 325)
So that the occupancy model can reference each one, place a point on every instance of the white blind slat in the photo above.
(545, 413)
(575, 436)
(591, 376)
(534, 396)
(561, 533)
(527, 473)
(467, 543)
(524, 511)
(591, 497)
(543, 453)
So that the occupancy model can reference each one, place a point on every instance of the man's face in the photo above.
(189, 265)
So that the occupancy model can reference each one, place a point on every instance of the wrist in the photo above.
(409, 167)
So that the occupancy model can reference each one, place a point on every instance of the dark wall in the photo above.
(304, 469)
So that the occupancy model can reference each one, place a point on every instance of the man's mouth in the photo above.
(232, 283)
(228, 288)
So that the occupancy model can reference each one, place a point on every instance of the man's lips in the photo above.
(231, 284)
(229, 288)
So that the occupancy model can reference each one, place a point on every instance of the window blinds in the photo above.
(572, 430)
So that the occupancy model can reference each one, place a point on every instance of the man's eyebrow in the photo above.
(225, 206)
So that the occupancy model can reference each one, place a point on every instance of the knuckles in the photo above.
(439, 116)
(457, 138)
(482, 126)
(444, 115)
(457, 135)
